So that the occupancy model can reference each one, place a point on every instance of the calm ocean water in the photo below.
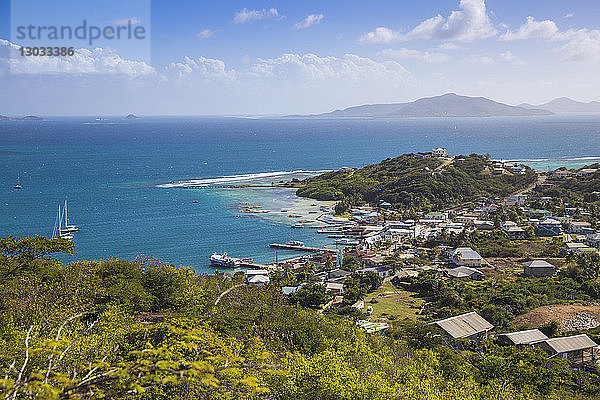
(110, 171)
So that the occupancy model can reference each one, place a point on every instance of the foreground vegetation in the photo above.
(150, 330)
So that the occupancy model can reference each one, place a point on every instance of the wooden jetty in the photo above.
(255, 265)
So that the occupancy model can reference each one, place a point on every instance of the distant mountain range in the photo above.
(566, 105)
(453, 105)
(447, 105)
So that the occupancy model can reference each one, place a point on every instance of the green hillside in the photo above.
(408, 181)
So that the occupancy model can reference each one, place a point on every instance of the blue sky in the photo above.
(279, 57)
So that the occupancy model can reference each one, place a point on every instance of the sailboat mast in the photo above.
(66, 218)
(56, 231)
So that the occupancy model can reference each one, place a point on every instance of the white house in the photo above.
(439, 152)
(334, 287)
(586, 171)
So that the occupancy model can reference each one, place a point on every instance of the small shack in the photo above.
(538, 268)
(464, 273)
(522, 338)
(576, 349)
(470, 326)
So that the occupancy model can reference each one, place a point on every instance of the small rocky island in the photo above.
(25, 118)
(132, 116)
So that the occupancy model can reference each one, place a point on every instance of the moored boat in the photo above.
(68, 228)
(18, 185)
(223, 260)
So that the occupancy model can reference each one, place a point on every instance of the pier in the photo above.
(300, 248)
(255, 265)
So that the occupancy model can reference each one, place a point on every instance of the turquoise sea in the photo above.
(113, 173)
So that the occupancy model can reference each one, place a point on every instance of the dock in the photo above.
(300, 248)
(254, 265)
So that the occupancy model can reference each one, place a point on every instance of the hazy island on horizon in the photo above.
(454, 105)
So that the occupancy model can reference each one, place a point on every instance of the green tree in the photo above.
(310, 295)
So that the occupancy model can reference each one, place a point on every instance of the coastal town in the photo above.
(381, 265)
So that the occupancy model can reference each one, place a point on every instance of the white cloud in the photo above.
(380, 35)
(468, 24)
(310, 69)
(471, 23)
(126, 21)
(206, 33)
(485, 60)
(84, 61)
(448, 46)
(581, 45)
(569, 15)
(423, 56)
(508, 56)
(246, 15)
(532, 29)
(201, 68)
(311, 19)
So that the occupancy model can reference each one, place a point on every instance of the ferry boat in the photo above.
(223, 260)
(295, 243)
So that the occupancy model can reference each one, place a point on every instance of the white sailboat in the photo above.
(58, 231)
(67, 231)
(18, 185)
(68, 228)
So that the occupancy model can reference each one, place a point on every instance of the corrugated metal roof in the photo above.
(466, 253)
(463, 272)
(465, 325)
(259, 279)
(571, 343)
(538, 264)
(525, 337)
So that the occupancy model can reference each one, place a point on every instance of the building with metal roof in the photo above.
(538, 268)
(522, 338)
(466, 256)
(577, 349)
(464, 273)
(466, 326)
(258, 280)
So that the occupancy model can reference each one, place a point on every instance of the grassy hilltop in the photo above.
(423, 183)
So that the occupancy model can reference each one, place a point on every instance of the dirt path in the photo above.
(571, 317)
(445, 163)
